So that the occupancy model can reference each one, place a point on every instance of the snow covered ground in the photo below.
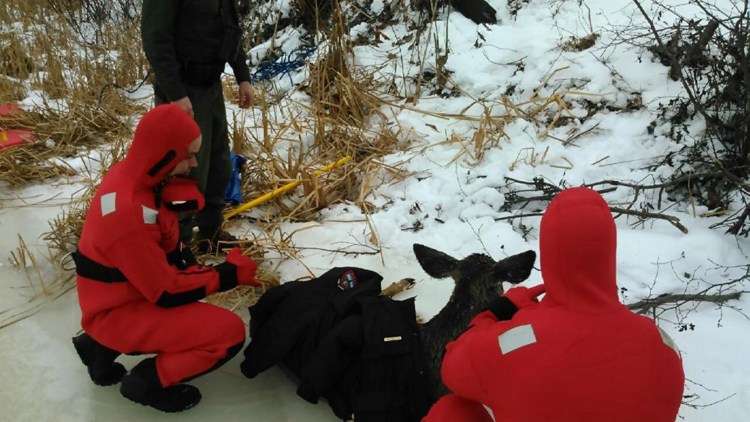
(456, 199)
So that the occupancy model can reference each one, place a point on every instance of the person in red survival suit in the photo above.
(579, 355)
(138, 287)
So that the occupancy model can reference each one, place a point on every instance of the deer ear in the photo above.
(515, 269)
(435, 263)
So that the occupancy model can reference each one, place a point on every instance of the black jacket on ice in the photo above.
(288, 321)
(358, 350)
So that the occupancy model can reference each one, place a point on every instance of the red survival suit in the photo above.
(133, 300)
(579, 355)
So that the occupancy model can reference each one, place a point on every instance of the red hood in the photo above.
(578, 242)
(160, 142)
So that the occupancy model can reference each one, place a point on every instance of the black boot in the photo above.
(99, 359)
(142, 386)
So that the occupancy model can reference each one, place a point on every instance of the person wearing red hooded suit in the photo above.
(578, 355)
(139, 288)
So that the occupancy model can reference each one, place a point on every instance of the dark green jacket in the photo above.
(178, 34)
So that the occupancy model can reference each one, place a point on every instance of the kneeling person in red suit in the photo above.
(579, 355)
(139, 288)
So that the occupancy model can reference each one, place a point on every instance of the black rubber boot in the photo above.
(99, 359)
(142, 386)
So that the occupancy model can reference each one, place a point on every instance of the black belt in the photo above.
(86, 267)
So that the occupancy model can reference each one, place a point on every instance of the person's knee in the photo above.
(453, 407)
(233, 332)
(233, 329)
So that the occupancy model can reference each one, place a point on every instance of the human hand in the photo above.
(524, 296)
(246, 267)
(186, 105)
(246, 95)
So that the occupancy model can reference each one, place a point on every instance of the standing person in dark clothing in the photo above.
(189, 43)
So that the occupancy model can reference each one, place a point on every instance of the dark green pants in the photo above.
(214, 164)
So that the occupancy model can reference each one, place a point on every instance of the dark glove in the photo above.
(505, 306)
(181, 257)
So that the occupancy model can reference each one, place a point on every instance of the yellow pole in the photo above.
(286, 188)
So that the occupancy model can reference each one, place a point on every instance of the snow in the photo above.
(455, 197)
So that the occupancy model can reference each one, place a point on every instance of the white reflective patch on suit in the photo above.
(515, 338)
(107, 203)
(149, 215)
(668, 341)
(489, 412)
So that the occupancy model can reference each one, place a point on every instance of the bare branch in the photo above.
(649, 304)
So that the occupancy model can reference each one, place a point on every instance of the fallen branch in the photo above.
(547, 187)
(338, 251)
(669, 218)
(644, 214)
(645, 305)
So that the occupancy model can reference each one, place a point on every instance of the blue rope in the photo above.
(284, 66)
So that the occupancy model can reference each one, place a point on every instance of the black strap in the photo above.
(168, 157)
(86, 267)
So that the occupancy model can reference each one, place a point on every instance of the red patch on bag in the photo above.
(8, 109)
(348, 280)
(14, 137)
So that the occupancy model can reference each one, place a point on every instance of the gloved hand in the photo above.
(524, 296)
(246, 267)
(181, 257)
(505, 306)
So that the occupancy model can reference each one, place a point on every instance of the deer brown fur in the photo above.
(478, 279)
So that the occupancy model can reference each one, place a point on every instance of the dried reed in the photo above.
(59, 133)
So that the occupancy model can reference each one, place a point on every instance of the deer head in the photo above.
(478, 279)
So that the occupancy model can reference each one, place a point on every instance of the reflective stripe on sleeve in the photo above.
(149, 215)
(515, 338)
(107, 203)
(668, 340)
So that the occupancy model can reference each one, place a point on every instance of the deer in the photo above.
(478, 279)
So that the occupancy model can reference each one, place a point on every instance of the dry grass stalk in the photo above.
(11, 90)
(340, 93)
(82, 75)
(65, 229)
(230, 89)
(56, 59)
(244, 296)
(531, 157)
(489, 133)
(271, 239)
(27, 12)
(278, 154)
(266, 172)
(23, 258)
(58, 133)
(580, 43)
(14, 59)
